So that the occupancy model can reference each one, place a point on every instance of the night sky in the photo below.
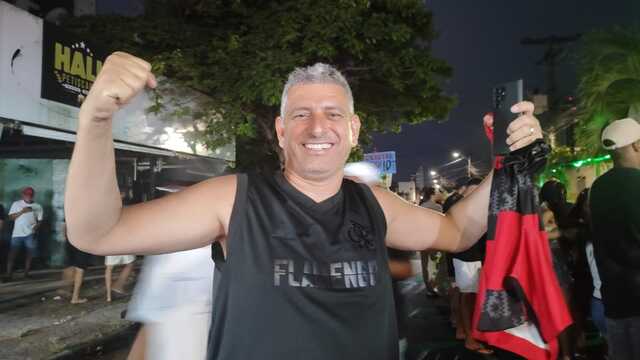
(482, 44)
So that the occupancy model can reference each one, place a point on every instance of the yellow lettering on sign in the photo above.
(62, 57)
(77, 65)
(91, 76)
(98, 67)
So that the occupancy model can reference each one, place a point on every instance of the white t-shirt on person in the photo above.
(174, 299)
(24, 224)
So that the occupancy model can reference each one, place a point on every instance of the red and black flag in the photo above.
(520, 306)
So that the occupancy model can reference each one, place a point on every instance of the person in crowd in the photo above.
(3, 219)
(467, 267)
(561, 232)
(27, 216)
(429, 197)
(587, 293)
(446, 268)
(172, 300)
(114, 260)
(78, 262)
(306, 271)
(553, 196)
(118, 286)
(429, 259)
(614, 205)
(400, 269)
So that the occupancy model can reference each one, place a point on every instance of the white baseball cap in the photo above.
(620, 133)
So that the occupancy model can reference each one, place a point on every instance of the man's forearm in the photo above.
(471, 213)
(92, 200)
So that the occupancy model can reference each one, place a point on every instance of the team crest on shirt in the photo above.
(361, 236)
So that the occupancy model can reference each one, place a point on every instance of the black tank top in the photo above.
(304, 280)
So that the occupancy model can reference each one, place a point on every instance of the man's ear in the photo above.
(279, 125)
(355, 125)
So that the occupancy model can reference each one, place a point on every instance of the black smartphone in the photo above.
(504, 97)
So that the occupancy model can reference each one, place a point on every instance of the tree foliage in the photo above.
(609, 87)
(239, 52)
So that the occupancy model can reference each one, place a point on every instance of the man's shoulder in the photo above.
(616, 177)
(221, 188)
(16, 205)
(379, 192)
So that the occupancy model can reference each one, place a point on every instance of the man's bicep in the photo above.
(411, 227)
(186, 220)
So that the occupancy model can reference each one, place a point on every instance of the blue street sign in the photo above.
(384, 161)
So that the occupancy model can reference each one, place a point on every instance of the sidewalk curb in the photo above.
(27, 294)
(87, 348)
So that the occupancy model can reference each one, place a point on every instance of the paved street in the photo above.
(38, 323)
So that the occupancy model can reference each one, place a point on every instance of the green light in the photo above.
(580, 163)
(602, 158)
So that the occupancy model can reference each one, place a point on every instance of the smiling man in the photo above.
(306, 270)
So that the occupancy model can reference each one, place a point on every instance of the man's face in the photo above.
(27, 197)
(318, 130)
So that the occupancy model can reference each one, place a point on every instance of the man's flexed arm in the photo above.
(413, 228)
(92, 199)
(95, 218)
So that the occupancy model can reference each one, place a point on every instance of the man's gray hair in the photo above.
(318, 73)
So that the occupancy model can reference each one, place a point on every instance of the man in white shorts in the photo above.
(110, 262)
(467, 266)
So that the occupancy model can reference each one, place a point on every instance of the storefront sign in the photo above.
(70, 65)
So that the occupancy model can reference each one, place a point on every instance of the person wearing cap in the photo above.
(615, 215)
(27, 216)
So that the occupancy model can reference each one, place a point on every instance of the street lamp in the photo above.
(433, 173)
(456, 155)
(435, 181)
